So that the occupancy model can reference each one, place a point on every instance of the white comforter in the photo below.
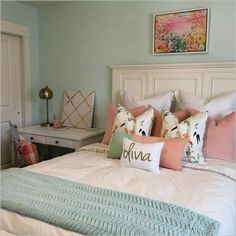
(206, 192)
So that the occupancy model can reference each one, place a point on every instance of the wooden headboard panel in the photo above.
(202, 79)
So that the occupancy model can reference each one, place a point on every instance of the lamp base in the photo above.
(46, 124)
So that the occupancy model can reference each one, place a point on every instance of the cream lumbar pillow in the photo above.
(159, 102)
(124, 121)
(141, 156)
(193, 129)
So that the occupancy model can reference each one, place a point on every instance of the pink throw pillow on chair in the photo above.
(29, 152)
(220, 137)
(111, 111)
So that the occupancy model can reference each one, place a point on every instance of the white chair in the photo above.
(15, 140)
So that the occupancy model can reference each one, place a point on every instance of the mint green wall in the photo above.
(79, 40)
(28, 16)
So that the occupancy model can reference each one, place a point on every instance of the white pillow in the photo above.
(217, 107)
(124, 121)
(193, 129)
(141, 156)
(160, 102)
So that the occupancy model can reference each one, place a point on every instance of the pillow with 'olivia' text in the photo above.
(141, 156)
(217, 107)
(193, 129)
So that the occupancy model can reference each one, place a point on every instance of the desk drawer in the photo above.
(34, 138)
(60, 142)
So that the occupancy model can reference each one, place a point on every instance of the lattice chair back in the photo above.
(15, 140)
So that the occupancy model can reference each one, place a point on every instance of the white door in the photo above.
(10, 99)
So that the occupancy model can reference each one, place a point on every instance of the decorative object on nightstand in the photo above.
(78, 109)
(46, 94)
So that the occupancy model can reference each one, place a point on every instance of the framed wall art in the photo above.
(181, 32)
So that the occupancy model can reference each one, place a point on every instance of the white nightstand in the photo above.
(67, 137)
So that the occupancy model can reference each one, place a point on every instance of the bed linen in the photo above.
(91, 210)
(4, 233)
(209, 190)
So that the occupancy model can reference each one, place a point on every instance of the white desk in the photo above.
(68, 137)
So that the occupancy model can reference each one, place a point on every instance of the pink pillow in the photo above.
(181, 115)
(111, 111)
(156, 126)
(219, 140)
(185, 114)
(172, 152)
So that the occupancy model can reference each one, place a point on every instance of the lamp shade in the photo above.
(46, 93)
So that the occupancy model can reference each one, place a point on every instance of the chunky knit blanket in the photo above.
(96, 211)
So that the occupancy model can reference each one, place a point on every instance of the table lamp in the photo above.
(46, 94)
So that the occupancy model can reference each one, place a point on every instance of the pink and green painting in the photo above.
(181, 32)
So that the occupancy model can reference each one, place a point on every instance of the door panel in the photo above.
(10, 99)
(6, 148)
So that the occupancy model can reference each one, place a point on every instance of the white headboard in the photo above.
(202, 79)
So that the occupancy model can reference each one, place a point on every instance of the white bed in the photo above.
(211, 190)
(211, 194)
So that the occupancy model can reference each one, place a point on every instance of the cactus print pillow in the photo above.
(193, 129)
(124, 121)
(111, 112)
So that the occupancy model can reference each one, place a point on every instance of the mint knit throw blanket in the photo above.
(96, 211)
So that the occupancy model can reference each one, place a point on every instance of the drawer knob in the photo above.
(56, 142)
(31, 138)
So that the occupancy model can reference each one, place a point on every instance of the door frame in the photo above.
(25, 33)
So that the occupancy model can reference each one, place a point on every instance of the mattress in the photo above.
(207, 189)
